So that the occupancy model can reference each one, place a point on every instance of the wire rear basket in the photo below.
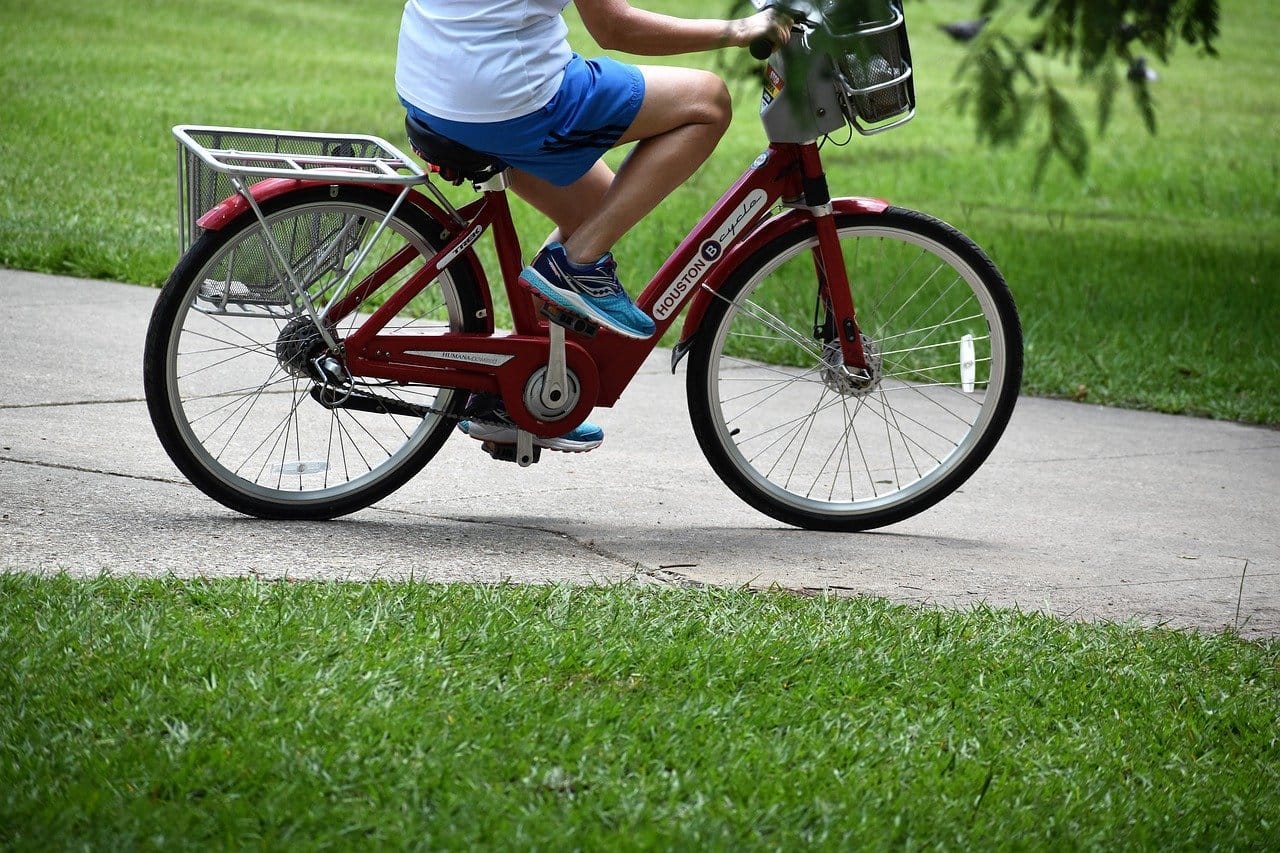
(215, 163)
(873, 69)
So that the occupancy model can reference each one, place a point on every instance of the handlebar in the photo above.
(804, 16)
(762, 47)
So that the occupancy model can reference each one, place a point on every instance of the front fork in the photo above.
(834, 294)
(839, 322)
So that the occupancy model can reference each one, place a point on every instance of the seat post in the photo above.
(500, 182)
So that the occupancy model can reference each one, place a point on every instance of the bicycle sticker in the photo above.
(461, 247)
(740, 217)
(773, 84)
(487, 358)
(709, 252)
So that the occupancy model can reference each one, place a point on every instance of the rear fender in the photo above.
(229, 209)
(765, 232)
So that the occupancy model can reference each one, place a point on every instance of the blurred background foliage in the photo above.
(1016, 49)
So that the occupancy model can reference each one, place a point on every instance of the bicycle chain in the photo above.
(428, 410)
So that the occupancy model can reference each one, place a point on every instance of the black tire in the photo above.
(242, 426)
(789, 433)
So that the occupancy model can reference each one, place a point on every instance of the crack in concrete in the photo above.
(637, 568)
(1154, 455)
(83, 470)
(589, 546)
(660, 574)
(54, 404)
(679, 580)
(586, 545)
(1161, 582)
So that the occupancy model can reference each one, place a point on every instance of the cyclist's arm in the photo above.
(617, 25)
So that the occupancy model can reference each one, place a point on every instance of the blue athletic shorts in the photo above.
(597, 101)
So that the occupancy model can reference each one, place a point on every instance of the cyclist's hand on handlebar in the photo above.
(764, 32)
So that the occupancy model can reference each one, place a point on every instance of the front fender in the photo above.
(763, 233)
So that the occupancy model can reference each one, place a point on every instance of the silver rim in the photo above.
(247, 420)
(802, 432)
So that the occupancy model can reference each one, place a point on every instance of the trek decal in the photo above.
(461, 247)
(710, 252)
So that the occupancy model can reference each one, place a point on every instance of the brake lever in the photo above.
(761, 48)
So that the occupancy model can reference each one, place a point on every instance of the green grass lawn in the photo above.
(1151, 284)
(141, 713)
(138, 713)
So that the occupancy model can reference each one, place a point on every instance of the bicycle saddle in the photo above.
(455, 163)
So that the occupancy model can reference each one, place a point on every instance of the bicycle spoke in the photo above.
(808, 430)
(355, 446)
(924, 284)
(765, 318)
(776, 384)
(769, 368)
(777, 427)
(892, 288)
(921, 447)
(759, 403)
(216, 364)
(841, 443)
(923, 347)
(902, 436)
(249, 389)
(934, 401)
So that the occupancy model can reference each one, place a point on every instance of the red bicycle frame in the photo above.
(603, 364)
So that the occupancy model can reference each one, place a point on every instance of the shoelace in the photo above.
(601, 274)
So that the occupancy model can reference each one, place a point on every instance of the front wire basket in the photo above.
(873, 72)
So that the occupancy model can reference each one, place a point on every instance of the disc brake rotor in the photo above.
(847, 381)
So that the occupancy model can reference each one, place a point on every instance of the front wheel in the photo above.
(786, 426)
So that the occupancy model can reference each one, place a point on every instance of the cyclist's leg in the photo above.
(682, 117)
(567, 206)
(684, 114)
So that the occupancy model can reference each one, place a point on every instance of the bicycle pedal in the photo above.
(575, 323)
(510, 453)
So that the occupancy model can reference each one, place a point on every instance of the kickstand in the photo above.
(512, 453)
(524, 449)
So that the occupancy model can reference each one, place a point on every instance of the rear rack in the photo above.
(215, 163)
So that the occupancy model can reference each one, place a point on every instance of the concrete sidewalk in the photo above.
(1083, 512)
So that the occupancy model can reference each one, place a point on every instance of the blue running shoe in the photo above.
(592, 291)
(493, 424)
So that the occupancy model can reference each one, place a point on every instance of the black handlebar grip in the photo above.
(761, 47)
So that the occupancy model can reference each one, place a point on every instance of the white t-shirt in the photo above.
(481, 60)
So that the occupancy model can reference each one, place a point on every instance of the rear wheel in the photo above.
(798, 437)
(236, 377)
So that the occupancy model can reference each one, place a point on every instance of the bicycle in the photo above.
(320, 336)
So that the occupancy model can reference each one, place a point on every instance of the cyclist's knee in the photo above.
(681, 97)
(715, 101)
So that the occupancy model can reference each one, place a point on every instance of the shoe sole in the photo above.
(571, 301)
(503, 435)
